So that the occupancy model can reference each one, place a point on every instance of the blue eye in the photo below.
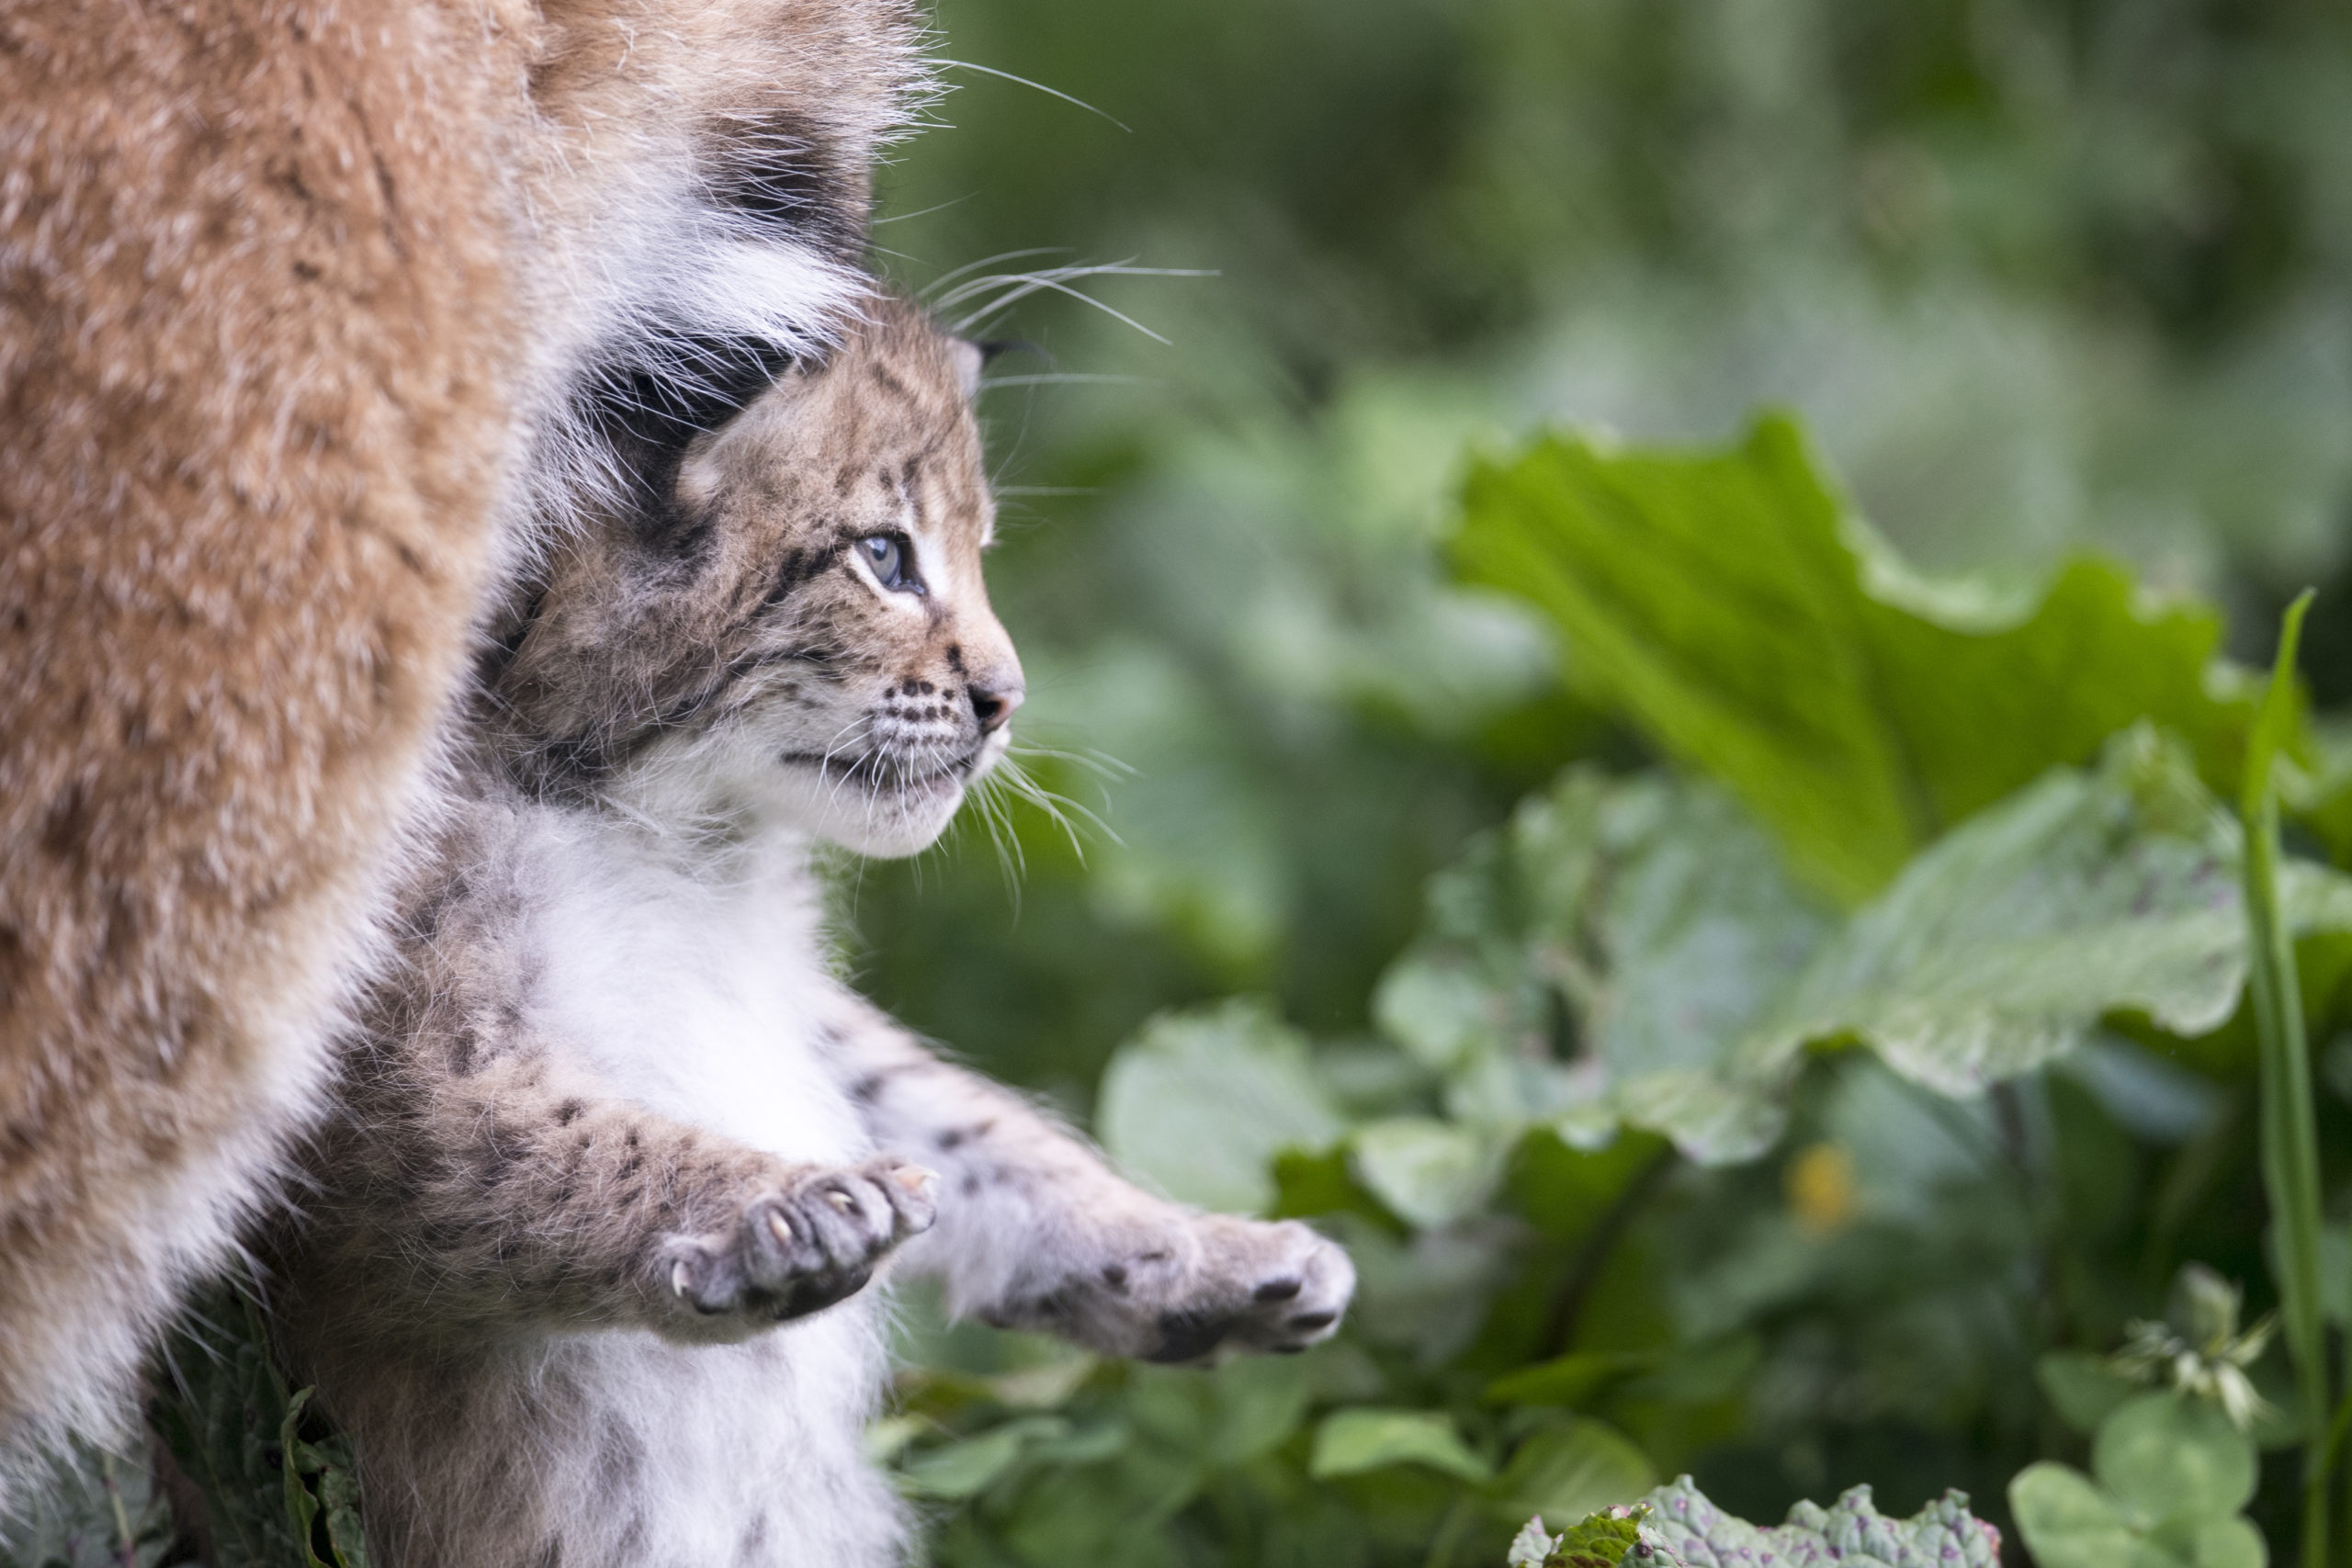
(886, 554)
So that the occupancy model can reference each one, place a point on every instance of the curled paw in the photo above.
(803, 1248)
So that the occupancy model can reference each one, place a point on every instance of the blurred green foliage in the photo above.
(1623, 1008)
(2036, 277)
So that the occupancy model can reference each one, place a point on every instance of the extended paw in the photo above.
(1259, 1287)
(1175, 1286)
(800, 1249)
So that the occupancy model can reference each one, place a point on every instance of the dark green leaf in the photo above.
(1735, 609)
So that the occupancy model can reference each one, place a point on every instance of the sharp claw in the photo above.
(915, 1179)
(840, 1200)
(780, 1228)
(678, 1278)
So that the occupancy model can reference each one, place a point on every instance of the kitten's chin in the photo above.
(886, 824)
(895, 830)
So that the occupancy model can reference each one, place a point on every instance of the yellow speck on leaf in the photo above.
(1819, 1183)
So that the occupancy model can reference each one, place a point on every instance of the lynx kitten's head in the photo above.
(800, 635)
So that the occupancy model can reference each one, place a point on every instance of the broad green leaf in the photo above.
(1691, 972)
(1572, 1470)
(1999, 946)
(1851, 1532)
(1258, 1402)
(1656, 919)
(1202, 1102)
(1350, 1442)
(2069, 1522)
(2164, 1456)
(1430, 1173)
(1731, 606)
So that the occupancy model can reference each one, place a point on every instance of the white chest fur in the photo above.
(690, 981)
(694, 986)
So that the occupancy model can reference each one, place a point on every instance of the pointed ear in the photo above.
(968, 358)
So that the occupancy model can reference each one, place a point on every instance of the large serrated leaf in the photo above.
(1652, 918)
(1692, 973)
(1733, 608)
(1999, 947)
(1851, 1532)
(1201, 1103)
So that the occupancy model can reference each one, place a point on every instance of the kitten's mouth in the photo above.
(884, 772)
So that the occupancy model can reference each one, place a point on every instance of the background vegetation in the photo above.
(2037, 276)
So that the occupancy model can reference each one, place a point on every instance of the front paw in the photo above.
(802, 1249)
(1183, 1286)
(1260, 1287)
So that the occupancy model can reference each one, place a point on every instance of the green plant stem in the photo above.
(1458, 1519)
(1592, 1252)
(2290, 1132)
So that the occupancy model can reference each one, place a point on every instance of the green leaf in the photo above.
(2228, 1543)
(1601, 1540)
(302, 1509)
(1655, 919)
(1851, 1532)
(1350, 1442)
(1999, 947)
(2068, 1522)
(1574, 1469)
(955, 1471)
(1202, 1102)
(1430, 1173)
(1729, 603)
(1658, 918)
(2165, 1457)
(223, 1417)
(91, 1511)
(1570, 1379)
(2082, 1387)
(1256, 1402)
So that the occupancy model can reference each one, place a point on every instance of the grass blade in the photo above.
(2289, 1133)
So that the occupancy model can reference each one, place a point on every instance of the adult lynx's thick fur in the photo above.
(314, 315)
(581, 1269)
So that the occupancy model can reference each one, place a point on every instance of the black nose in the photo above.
(993, 705)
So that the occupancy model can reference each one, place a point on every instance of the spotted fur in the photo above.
(582, 1271)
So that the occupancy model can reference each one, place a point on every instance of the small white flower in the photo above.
(2211, 1361)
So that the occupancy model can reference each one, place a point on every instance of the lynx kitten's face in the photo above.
(802, 636)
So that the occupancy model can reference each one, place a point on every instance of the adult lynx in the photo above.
(314, 318)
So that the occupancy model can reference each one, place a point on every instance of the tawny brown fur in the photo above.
(300, 330)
